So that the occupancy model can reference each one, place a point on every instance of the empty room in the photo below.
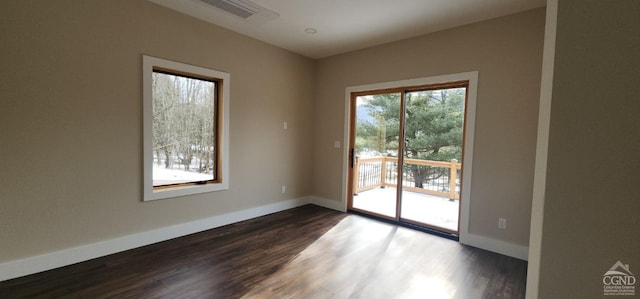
(319, 149)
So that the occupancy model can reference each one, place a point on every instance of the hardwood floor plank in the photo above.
(307, 252)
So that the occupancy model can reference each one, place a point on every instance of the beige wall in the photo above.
(507, 52)
(591, 207)
(71, 120)
(71, 125)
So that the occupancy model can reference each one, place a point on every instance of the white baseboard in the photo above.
(498, 246)
(327, 203)
(65, 257)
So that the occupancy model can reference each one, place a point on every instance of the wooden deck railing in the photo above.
(377, 172)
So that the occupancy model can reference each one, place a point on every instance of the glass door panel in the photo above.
(376, 149)
(406, 154)
(433, 133)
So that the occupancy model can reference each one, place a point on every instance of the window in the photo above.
(186, 128)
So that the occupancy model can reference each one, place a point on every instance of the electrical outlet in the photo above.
(502, 223)
(284, 189)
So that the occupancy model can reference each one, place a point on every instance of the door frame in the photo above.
(469, 134)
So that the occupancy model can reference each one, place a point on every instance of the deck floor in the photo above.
(429, 209)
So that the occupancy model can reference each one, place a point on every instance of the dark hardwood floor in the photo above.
(307, 252)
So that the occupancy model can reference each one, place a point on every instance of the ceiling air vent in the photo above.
(245, 9)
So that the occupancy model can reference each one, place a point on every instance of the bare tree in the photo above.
(184, 121)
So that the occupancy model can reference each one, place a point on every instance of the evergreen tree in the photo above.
(433, 128)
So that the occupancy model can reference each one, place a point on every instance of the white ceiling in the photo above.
(347, 25)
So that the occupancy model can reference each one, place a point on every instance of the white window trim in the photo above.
(149, 193)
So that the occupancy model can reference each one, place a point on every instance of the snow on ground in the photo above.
(163, 176)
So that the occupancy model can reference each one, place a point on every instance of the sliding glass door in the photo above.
(406, 153)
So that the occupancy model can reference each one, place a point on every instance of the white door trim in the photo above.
(470, 119)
